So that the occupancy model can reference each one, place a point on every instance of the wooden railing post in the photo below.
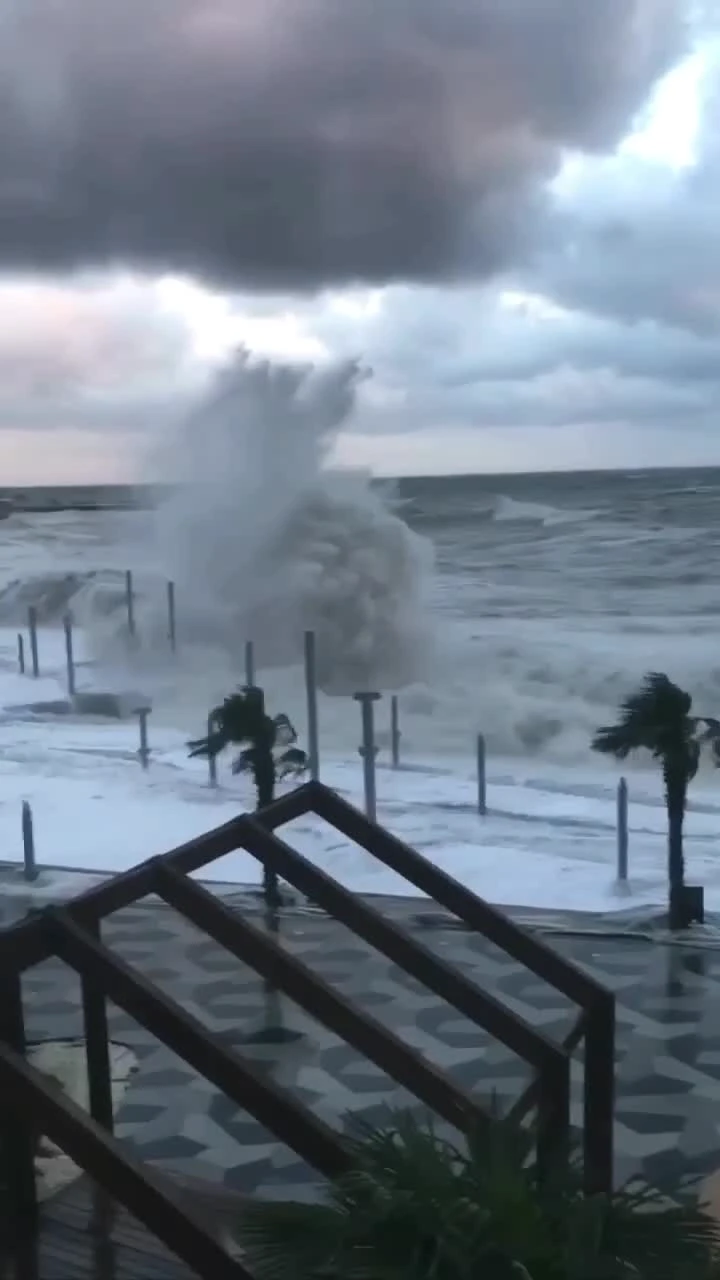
(73, 933)
(18, 1136)
(97, 1045)
(553, 1117)
(599, 1095)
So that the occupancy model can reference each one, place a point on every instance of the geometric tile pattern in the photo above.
(668, 1065)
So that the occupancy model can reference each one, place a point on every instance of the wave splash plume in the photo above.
(265, 539)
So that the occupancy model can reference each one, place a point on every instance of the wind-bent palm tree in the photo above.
(657, 719)
(268, 755)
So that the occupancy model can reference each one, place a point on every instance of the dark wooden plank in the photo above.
(75, 1241)
(219, 1208)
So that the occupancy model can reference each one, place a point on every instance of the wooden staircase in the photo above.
(33, 1238)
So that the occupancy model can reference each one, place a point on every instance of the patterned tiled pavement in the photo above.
(668, 1070)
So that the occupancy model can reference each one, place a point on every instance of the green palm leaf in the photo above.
(417, 1207)
(656, 719)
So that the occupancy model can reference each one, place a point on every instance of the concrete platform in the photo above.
(106, 705)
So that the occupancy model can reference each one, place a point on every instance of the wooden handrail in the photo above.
(496, 926)
(597, 1003)
(68, 931)
(286, 972)
(24, 944)
(528, 1099)
(397, 945)
(185, 1035)
(120, 1175)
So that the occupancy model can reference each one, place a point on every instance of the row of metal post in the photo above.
(368, 749)
(368, 752)
(130, 608)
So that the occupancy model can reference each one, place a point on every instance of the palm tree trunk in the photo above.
(675, 800)
(265, 794)
(274, 1030)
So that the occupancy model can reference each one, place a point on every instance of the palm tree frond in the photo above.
(707, 733)
(292, 762)
(285, 733)
(242, 715)
(211, 745)
(291, 1241)
(245, 761)
(656, 719)
(614, 740)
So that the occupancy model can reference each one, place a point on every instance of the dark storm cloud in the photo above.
(294, 143)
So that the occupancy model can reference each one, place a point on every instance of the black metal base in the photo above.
(687, 906)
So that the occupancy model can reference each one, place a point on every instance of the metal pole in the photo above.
(481, 778)
(368, 750)
(28, 838)
(212, 760)
(172, 631)
(622, 830)
(21, 654)
(249, 663)
(32, 625)
(69, 657)
(395, 731)
(130, 602)
(144, 750)
(312, 710)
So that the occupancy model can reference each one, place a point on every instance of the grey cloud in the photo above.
(454, 337)
(564, 398)
(292, 143)
(646, 350)
(463, 357)
(635, 241)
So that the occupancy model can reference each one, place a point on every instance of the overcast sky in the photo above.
(509, 210)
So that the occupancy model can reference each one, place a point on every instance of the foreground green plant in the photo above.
(416, 1207)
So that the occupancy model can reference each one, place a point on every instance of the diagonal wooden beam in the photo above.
(395, 943)
(493, 924)
(376, 1042)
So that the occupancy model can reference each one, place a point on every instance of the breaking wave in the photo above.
(506, 509)
(265, 539)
